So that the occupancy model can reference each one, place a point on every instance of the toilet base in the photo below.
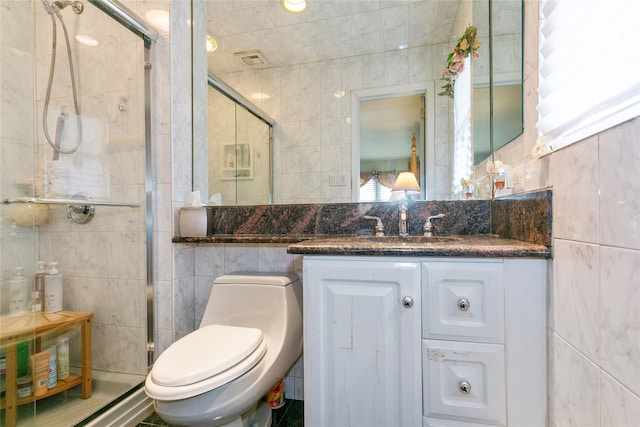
(259, 416)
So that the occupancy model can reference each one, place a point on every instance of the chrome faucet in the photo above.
(403, 220)
(379, 226)
(428, 227)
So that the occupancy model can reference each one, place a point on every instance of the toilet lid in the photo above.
(207, 352)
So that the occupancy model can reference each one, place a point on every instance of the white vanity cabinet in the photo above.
(404, 341)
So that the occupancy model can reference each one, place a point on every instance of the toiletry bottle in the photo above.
(18, 294)
(38, 286)
(53, 367)
(229, 163)
(53, 290)
(62, 348)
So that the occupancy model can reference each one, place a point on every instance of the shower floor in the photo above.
(68, 408)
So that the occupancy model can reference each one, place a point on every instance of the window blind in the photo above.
(589, 68)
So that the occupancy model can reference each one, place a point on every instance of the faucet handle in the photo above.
(428, 227)
(379, 226)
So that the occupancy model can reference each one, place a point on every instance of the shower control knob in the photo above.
(407, 302)
(463, 304)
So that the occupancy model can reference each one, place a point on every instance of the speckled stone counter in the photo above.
(470, 245)
(513, 226)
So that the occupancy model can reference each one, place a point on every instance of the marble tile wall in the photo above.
(17, 141)
(594, 294)
(312, 137)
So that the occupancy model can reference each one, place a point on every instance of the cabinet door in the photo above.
(362, 343)
(463, 301)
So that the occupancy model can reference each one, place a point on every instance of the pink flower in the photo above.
(458, 68)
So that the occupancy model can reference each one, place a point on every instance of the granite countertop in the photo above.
(245, 238)
(472, 245)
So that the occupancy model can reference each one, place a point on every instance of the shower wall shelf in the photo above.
(80, 208)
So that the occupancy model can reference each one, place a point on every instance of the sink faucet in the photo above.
(428, 227)
(379, 226)
(403, 220)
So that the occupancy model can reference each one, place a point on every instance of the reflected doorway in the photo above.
(390, 130)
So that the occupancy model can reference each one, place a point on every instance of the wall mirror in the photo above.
(303, 70)
(497, 77)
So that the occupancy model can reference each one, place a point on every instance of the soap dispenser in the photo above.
(53, 290)
(18, 294)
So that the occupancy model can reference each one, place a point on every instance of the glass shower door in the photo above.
(72, 128)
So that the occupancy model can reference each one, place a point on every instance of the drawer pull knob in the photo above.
(407, 302)
(465, 387)
(463, 304)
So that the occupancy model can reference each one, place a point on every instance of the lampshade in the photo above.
(406, 183)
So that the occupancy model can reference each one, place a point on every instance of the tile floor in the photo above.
(290, 415)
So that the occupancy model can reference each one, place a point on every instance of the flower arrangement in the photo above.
(466, 45)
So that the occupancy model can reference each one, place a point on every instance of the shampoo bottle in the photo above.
(18, 294)
(38, 286)
(53, 290)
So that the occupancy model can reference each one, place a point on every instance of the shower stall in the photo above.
(75, 189)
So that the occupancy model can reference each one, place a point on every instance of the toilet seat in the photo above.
(203, 360)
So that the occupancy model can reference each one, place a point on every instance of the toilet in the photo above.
(249, 338)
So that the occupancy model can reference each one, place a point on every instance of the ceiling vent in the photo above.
(252, 58)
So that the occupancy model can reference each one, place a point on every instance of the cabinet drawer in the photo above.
(463, 301)
(464, 381)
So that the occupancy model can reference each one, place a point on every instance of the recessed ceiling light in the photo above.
(294, 6)
(212, 44)
(403, 46)
(339, 94)
(159, 18)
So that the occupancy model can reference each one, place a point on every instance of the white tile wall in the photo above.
(312, 136)
(594, 315)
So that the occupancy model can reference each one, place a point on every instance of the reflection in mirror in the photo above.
(391, 141)
(239, 153)
(497, 76)
(507, 71)
(303, 69)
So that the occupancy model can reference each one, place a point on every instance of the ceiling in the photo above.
(327, 29)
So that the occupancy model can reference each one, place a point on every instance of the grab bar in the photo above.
(80, 208)
(81, 202)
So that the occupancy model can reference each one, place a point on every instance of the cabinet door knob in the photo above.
(407, 302)
(463, 304)
(465, 387)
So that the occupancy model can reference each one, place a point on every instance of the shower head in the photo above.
(47, 6)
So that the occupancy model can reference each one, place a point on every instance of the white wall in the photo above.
(594, 296)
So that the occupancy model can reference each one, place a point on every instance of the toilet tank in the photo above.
(256, 300)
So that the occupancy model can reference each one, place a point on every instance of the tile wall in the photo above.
(594, 294)
(313, 131)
